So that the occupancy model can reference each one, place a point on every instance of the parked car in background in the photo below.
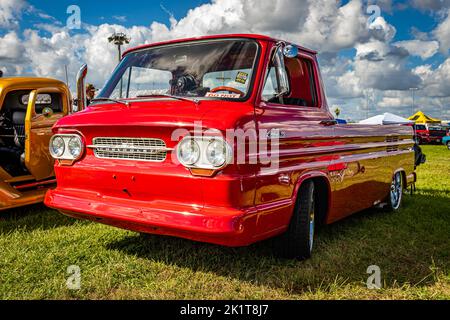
(436, 134)
(427, 133)
(137, 157)
(446, 141)
(29, 107)
(422, 133)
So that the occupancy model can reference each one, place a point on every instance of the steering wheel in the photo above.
(229, 89)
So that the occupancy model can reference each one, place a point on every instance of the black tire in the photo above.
(395, 197)
(297, 242)
(448, 145)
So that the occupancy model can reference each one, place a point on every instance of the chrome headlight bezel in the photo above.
(54, 154)
(216, 152)
(75, 143)
(195, 149)
(67, 154)
(204, 160)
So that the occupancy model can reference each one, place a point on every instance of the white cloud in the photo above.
(420, 48)
(10, 11)
(442, 33)
(120, 18)
(12, 58)
(436, 83)
(430, 5)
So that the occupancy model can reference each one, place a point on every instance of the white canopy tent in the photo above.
(385, 119)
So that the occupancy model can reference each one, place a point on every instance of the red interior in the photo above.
(300, 80)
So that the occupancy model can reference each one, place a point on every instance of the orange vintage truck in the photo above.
(29, 107)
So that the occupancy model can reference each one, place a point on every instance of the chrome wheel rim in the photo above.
(396, 191)
(311, 225)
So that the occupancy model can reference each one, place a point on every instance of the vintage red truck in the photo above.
(223, 139)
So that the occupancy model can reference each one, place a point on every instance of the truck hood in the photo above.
(221, 115)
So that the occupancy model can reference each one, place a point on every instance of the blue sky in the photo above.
(407, 46)
(137, 12)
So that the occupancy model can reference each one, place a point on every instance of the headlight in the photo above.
(216, 152)
(188, 152)
(66, 147)
(75, 146)
(204, 155)
(57, 147)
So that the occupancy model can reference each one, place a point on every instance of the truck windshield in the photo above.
(208, 69)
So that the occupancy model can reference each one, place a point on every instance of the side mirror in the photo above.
(47, 112)
(282, 75)
(290, 51)
(80, 103)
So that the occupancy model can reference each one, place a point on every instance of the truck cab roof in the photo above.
(214, 37)
(28, 82)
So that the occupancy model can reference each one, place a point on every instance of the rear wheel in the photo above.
(298, 241)
(396, 193)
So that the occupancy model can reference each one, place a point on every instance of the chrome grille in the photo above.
(142, 149)
(392, 139)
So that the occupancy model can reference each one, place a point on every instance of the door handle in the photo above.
(329, 123)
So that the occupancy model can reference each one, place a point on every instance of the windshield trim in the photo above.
(254, 68)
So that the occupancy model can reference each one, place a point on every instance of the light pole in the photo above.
(119, 39)
(368, 93)
(413, 91)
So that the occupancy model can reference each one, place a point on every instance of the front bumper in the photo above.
(223, 226)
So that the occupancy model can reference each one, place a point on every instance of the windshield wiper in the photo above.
(196, 101)
(112, 100)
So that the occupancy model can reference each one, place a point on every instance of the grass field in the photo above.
(412, 248)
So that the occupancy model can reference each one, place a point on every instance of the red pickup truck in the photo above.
(227, 140)
(430, 133)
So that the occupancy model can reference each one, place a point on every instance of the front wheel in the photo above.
(298, 241)
(396, 193)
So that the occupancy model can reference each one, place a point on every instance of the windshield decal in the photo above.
(223, 95)
(242, 77)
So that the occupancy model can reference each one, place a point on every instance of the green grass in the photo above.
(412, 248)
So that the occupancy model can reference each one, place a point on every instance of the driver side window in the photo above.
(302, 87)
(271, 87)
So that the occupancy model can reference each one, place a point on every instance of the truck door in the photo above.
(45, 107)
(303, 128)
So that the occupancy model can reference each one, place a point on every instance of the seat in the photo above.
(18, 117)
(18, 121)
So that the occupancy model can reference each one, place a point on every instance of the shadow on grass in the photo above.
(33, 217)
(410, 246)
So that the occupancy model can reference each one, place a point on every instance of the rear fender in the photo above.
(315, 175)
